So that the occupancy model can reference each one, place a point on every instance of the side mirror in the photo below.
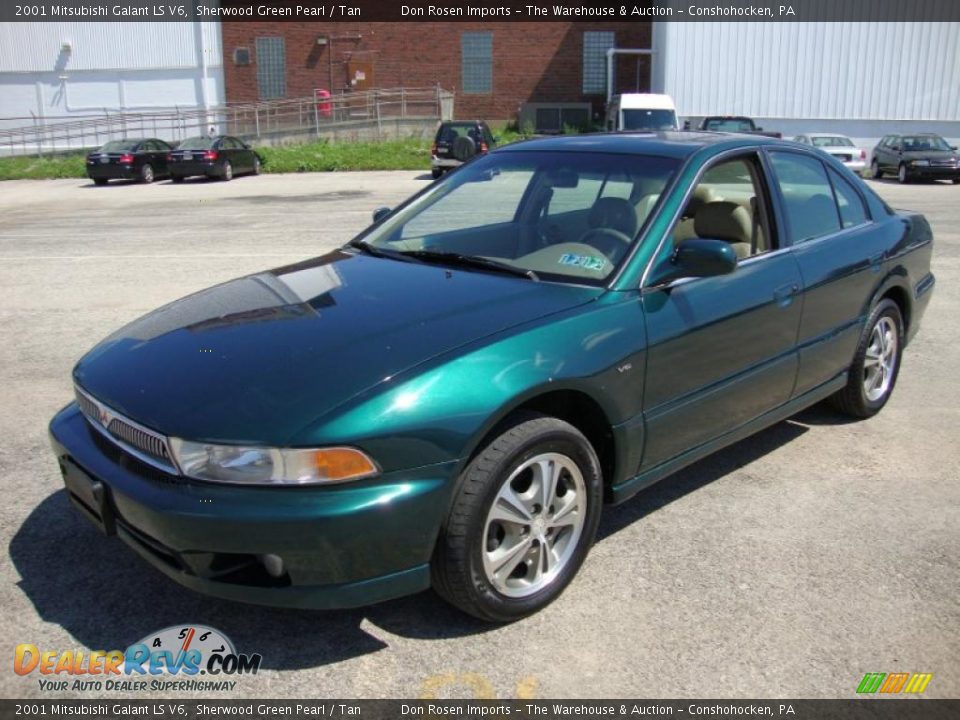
(953, 147)
(698, 257)
(686, 124)
(759, 129)
(380, 213)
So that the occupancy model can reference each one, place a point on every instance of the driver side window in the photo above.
(729, 204)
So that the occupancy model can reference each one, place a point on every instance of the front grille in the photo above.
(943, 163)
(88, 407)
(145, 442)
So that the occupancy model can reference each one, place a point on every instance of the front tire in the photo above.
(903, 177)
(876, 363)
(100, 181)
(176, 178)
(256, 166)
(522, 521)
(436, 172)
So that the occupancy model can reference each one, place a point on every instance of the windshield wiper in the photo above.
(368, 249)
(475, 261)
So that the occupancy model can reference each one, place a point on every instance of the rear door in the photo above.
(721, 350)
(840, 256)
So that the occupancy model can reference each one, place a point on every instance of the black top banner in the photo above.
(480, 10)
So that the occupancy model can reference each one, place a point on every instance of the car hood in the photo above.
(930, 155)
(258, 358)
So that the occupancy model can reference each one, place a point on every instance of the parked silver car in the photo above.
(840, 146)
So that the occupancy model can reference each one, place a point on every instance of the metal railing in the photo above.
(50, 135)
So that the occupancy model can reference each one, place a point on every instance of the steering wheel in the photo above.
(610, 242)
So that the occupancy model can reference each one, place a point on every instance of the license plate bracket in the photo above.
(90, 496)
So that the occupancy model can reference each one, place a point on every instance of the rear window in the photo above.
(120, 146)
(196, 143)
(449, 133)
(729, 125)
(832, 142)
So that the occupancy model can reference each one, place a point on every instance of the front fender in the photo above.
(444, 410)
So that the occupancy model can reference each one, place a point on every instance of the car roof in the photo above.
(670, 143)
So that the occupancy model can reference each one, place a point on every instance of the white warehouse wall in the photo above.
(65, 70)
(860, 78)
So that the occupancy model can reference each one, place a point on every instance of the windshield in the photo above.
(120, 146)
(567, 216)
(832, 141)
(649, 120)
(196, 143)
(730, 125)
(924, 142)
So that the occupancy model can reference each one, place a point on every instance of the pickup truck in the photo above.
(734, 124)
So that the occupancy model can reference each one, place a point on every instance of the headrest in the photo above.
(614, 213)
(702, 194)
(723, 220)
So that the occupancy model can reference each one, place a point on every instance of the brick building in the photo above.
(493, 68)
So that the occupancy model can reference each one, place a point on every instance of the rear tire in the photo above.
(956, 181)
(876, 363)
(100, 181)
(176, 178)
(903, 177)
(146, 174)
(227, 172)
(875, 172)
(522, 521)
(436, 172)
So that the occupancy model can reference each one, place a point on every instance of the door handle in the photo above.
(784, 295)
(876, 262)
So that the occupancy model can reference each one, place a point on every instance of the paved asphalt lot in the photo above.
(786, 566)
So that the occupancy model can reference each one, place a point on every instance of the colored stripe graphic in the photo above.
(871, 682)
(918, 683)
(893, 683)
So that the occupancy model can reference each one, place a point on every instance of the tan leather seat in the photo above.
(728, 221)
(702, 194)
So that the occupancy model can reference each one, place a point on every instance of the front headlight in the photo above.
(920, 162)
(270, 466)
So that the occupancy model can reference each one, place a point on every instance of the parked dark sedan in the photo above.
(221, 156)
(448, 400)
(143, 159)
(926, 156)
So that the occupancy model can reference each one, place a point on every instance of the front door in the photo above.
(721, 350)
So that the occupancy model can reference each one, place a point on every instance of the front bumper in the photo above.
(341, 546)
(933, 173)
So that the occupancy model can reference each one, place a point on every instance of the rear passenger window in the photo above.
(807, 195)
(852, 210)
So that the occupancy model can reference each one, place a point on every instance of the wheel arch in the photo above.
(571, 404)
(895, 286)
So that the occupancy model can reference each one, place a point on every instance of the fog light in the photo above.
(273, 564)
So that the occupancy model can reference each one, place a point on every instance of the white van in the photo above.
(642, 112)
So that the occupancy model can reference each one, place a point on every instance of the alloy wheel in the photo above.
(534, 524)
(880, 360)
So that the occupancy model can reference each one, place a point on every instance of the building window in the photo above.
(271, 68)
(595, 46)
(476, 51)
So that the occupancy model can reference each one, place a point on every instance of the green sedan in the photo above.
(449, 400)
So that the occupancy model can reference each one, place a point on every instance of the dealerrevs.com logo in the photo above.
(168, 661)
